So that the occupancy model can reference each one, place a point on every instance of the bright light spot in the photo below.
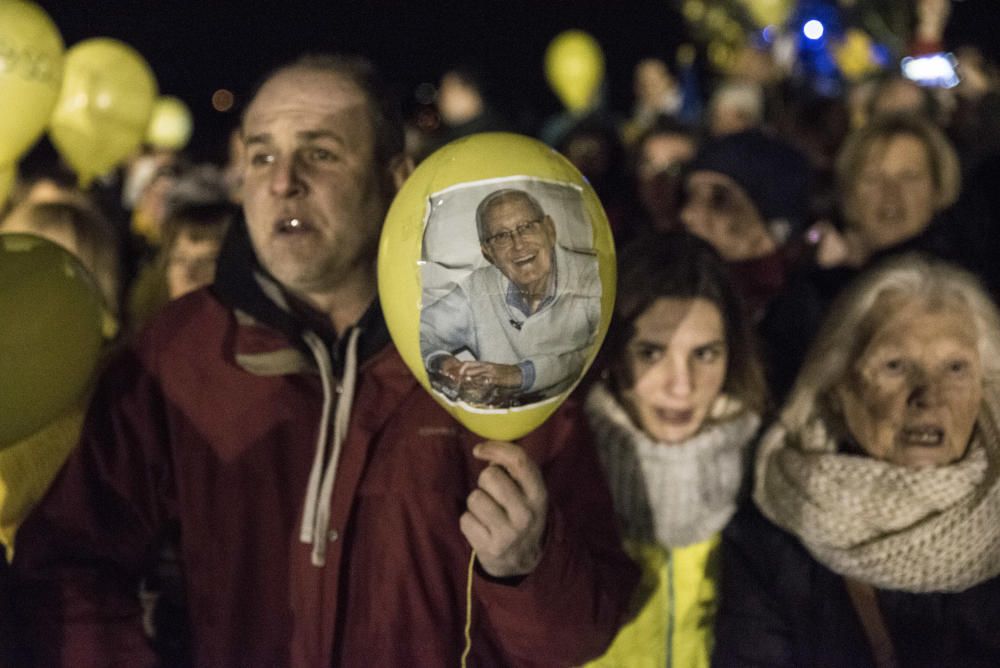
(813, 29)
(222, 100)
(768, 34)
(932, 70)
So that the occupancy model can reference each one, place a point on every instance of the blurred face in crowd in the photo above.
(662, 152)
(23, 219)
(899, 97)
(520, 243)
(719, 211)
(912, 396)
(661, 157)
(677, 359)
(457, 101)
(314, 197)
(894, 196)
(191, 263)
(652, 82)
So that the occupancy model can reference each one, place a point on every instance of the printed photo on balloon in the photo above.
(511, 293)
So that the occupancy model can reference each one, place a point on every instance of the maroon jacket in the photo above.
(209, 424)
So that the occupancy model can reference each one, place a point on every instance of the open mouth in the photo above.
(524, 259)
(922, 435)
(292, 226)
(674, 416)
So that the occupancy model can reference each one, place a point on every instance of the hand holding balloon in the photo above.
(505, 519)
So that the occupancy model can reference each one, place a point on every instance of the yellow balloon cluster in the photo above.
(104, 107)
(31, 67)
(769, 12)
(436, 208)
(170, 125)
(574, 68)
(50, 333)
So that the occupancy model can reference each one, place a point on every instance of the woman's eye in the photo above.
(708, 354)
(894, 365)
(648, 355)
(958, 366)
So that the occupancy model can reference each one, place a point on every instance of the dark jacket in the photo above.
(207, 428)
(780, 607)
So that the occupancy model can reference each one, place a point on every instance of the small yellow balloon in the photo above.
(496, 258)
(31, 66)
(104, 107)
(769, 12)
(50, 333)
(574, 67)
(854, 55)
(170, 125)
(8, 174)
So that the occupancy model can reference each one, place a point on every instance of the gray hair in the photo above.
(495, 198)
(853, 321)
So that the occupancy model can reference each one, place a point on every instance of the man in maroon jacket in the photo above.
(326, 506)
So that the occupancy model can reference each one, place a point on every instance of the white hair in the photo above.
(852, 321)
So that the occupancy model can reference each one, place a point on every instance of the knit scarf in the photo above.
(915, 530)
(673, 494)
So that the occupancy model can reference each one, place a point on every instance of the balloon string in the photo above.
(468, 609)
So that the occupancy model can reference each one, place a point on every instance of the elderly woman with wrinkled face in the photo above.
(876, 534)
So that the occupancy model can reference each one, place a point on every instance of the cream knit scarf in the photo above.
(926, 530)
(673, 494)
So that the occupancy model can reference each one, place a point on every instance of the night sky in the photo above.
(196, 47)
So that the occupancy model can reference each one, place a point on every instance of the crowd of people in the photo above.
(786, 454)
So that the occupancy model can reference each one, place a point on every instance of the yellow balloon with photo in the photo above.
(31, 67)
(104, 106)
(496, 274)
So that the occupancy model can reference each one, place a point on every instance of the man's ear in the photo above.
(485, 248)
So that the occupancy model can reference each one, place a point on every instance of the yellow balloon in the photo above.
(170, 125)
(574, 67)
(7, 176)
(769, 12)
(50, 333)
(104, 107)
(31, 66)
(854, 55)
(432, 265)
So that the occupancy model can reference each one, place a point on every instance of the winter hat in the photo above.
(774, 175)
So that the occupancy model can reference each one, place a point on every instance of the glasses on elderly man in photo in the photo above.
(505, 239)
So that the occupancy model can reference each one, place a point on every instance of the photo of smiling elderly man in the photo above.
(518, 328)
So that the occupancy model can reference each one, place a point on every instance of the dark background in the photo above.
(196, 47)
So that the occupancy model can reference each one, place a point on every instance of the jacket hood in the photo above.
(239, 284)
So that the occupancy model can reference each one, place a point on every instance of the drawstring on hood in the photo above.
(242, 283)
(316, 512)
